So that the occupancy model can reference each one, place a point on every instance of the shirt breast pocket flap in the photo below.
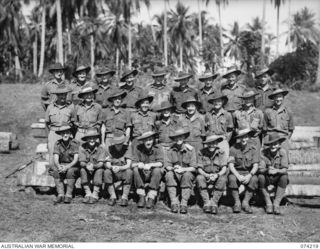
(249, 159)
(239, 159)
(186, 159)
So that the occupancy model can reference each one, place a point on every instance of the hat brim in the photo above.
(250, 133)
(223, 97)
(87, 69)
(197, 103)
(86, 138)
(183, 78)
(51, 70)
(138, 102)
(268, 71)
(165, 108)
(80, 95)
(248, 97)
(106, 72)
(272, 95)
(59, 132)
(120, 141)
(237, 72)
(145, 137)
(61, 92)
(159, 74)
(218, 140)
(204, 78)
(186, 134)
(122, 95)
(280, 139)
(134, 72)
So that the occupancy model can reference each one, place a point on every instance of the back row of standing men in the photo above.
(221, 134)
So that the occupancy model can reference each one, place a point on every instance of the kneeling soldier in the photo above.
(118, 168)
(243, 165)
(212, 168)
(65, 159)
(91, 158)
(148, 168)
(275, 159)
(180, 167)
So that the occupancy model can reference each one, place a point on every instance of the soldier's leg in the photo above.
(72, 175)
(97, 182)
(155, 178)
(281, 182)
(139, 185)
(202, 187)
(52, 139)
(127, 178)
(262, 187)
(85, 180)
(250, 188)
(171, 183)
(233, 185)
(109, 181)
(186, 185)
(219, 186)
(58, 180)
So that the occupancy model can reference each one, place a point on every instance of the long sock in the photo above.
(87, 190)
(112, 192)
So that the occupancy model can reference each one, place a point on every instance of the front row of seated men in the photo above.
(179, 165)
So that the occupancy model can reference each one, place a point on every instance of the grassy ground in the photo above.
(29, 217)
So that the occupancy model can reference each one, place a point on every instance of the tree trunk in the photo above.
(277, 41)
(318, 71)
(181, 53)
(200, 29)
(69, 39)
(43, 39)
(220, 33)
(289, 28)
(129, 45)
(18, 71)
(263, 34)
(92, 54)
(152, 28)
(117, 62)
(59, 29)
(165, 42)
(35, 55)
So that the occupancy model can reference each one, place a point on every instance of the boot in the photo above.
(237, 203)
(141, 201)
(267, 200)
(172, 191)
(59, 186)
(205, 197)
(279, 195)
(185, 195)
(95, 195)
(150, 203)
(215, 200)
(126, 191)
(70, 187)
(88, 193)
(113, 198)
(245, 203)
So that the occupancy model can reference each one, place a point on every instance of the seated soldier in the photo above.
(243, 165)
(275, 160)
(118, 168)
(91, 157)
(65, 158)
(180, 167)
(212, 169)
(148, 167)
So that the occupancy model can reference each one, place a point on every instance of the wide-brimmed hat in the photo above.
(143, 96)
(249, 94)
(126, 73)
(263, 71)
(212, 138)
(278, 91)
(63, 89)
(81, 68)
(104, 71)
(158, 72)
(218, 95)
(164, 106)
(273, 138)
(208, 75)
(179, 132)
(55, 67)
(85, 90)
(243, 132)
(117, 93)
(63, 128)
(118, 138)
(182, 76)
(191, 99)
(89, 134)
(147, 135)
(232, 70)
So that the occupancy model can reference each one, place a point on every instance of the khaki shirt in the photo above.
(57, 115)
(280, 119)
(132, 96)
(66, 153)
(141, 154)
(277, 161)
(244, 158)
(115, 121)
(119, 158)
(104, 92)
(94, 156)
(212, 161)
(88, 116)
(160, 94)
(178, 96)
(185, 157)
(166, 128)
(195, 125)
(253, 119)
(204, 96)
(234, 100)
(47, 97)
(142, 122)
(263, 101)
(219, 123)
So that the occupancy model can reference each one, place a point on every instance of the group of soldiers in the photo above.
(219, 137)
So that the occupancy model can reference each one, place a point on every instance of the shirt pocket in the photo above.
(93, 116)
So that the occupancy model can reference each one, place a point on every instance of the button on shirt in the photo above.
(160, 94)
(94, 156)
(132, 96)
(280, 119)
(253, 119)
(115, 120)
(178, 96)
(141, 154)
(66, 152)
(263, 101)
(57, 115)
(165, 128)
(219, 123)
(185, 157)
(212, 161)
(277, 161)
(195, 125)
(46, 92)
(88, 116)
(119, 158)
(141, 122)
(234, 94)
(243, 158)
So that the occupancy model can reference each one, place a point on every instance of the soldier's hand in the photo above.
(169, 168)
(247, 178)
(90, 166)
(272, 171)
(240, 178)
(147, 167)
(213, 177)
(115, 169)
(176, 166)
(141, 165)
(179, 170)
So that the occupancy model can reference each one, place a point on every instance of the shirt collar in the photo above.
(194, 117)
(86, 147)
(183, 148)
(65, 146)
(219, 113)
(157, 86)
(143, 114)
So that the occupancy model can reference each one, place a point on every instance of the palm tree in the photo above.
(318, 71)
(165, 36)
(34, 34)
(59, 30)
(263, 33)
(256, 25)
(233, 46)
(43, 36)
(277, 5)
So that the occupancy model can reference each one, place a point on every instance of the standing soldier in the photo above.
(218, 121)
(179, 94)
(276, 161)
(148, 167)
(118, 168)
(180, 170)
(57, 70)
(66, 154)
(264, 89)
(209, 88)
(88, 114)
(80, 74)
(212, 170)
(233, 90)
(128, 85)
(243, 166)
(115, 118)
(105, 86)
(91, 157)
(193, 121)
(58, 113)
(158, 89)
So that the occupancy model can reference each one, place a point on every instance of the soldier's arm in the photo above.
(230, 126)
(290, 125)
(44, 97)
(103, 134)
(193, 162)
(74, 161)
(56, 160)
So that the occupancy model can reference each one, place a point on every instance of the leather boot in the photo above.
(70, 187)
(205, 197)
(141, 201)
(279, 195)
(172, 191)
(215, 199)
(245, 203)
(237, 203)
(267, 200)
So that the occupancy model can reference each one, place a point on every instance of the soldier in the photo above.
(251, 117)
(180, 170)
(212, 170)
(180, 93)
(243, 165)
(128, 85)
(219, 121)
(105, 87)
(91, 157)
(147, 167)
(88, 114)
(57, 70)
(80, 74)
(208, 89)
(118, 168)
(193, 121)
(66, 154)
(58, 113)
(264, 89)
(233, 90)
(115, 118)
(276, 164)
(158, 89)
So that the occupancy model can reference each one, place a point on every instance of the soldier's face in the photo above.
(191, 108)
(278, 99)
(249, 101)
(159, 80)
(117, 101)
(82, 75)
(104, 78)
(244, 139)
(232, 79)
(62, 98)
(275, 147)
(179, 139)
(208, 83)
(148, 142)
(166, 113)
(130, 80)
(66, 135)
(92, 141)
(217, 104)
(184, 83)
(213, 145)
(88, 97)
(58, 74)
(265, 78)
(145, 105)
